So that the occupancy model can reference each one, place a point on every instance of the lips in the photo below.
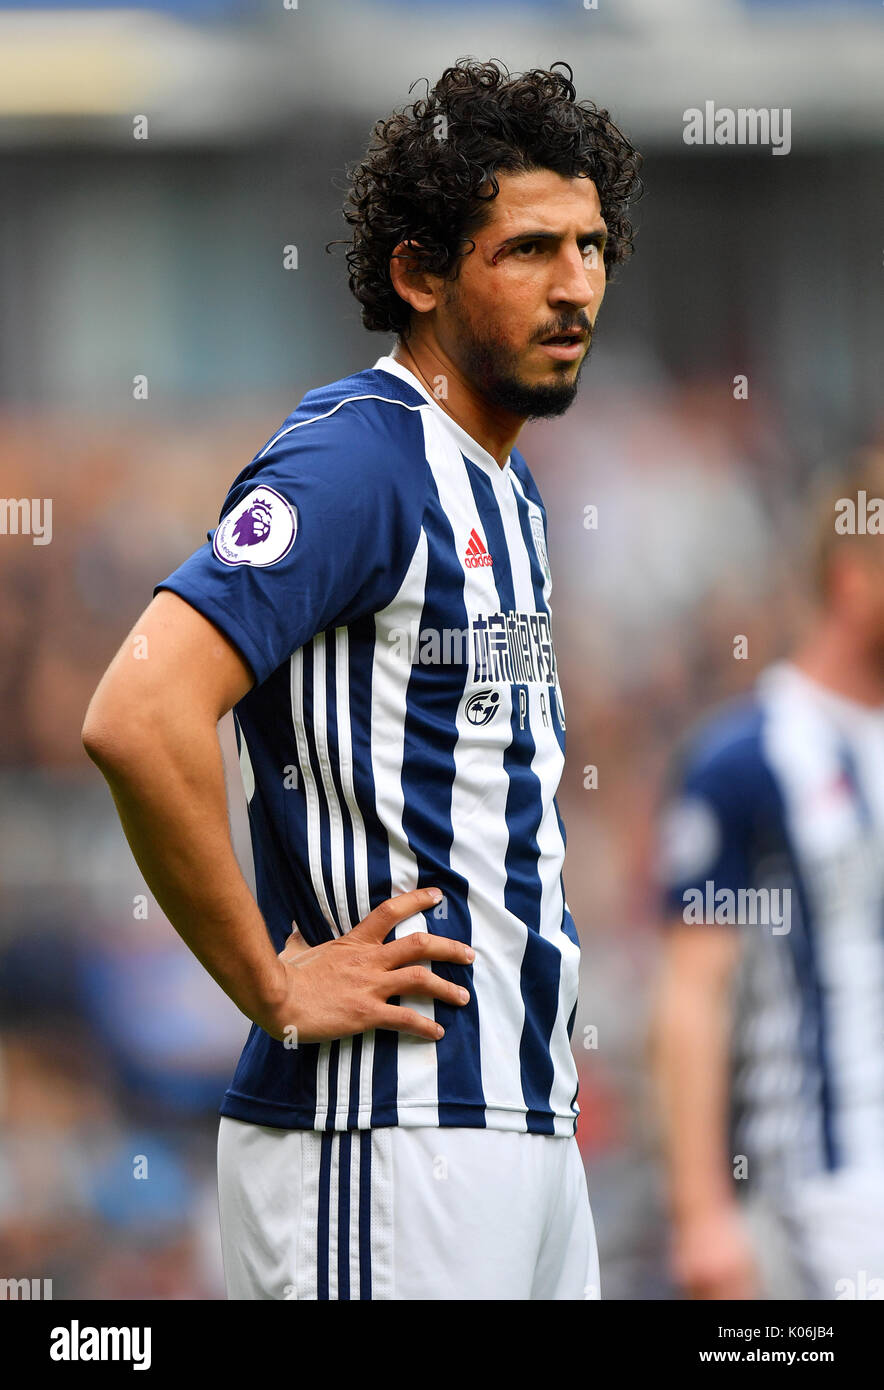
(564, 339)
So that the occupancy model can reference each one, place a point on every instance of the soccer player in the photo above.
(374, 606)
(770, 1013)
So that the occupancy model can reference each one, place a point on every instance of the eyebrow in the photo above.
(600, 234)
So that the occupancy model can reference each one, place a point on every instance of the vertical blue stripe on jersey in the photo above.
(537, 580)
(365, 1214)
(802, 944)
(864, 810)
(541, 963)
(334, 1053)
(568, 926)
(360, 665)
(312, 696)
(814, 1022)
(848, 764)
(268, 708)
(571, 1021)
(346, 831)
(355, 1065)
(344, 1216)
(265, 1065)
(428, 772)
(322, 1217)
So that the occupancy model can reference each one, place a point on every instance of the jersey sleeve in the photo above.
(705, 827)
(317, 533)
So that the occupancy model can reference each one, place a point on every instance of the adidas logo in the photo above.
(476, 555)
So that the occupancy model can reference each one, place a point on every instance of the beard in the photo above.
(494, 371)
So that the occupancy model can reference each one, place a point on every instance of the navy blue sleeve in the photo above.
(707, 823)
(317, 533)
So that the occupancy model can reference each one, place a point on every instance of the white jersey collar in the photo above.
(785, 673)
(465, 441)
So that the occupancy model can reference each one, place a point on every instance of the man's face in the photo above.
(537, 271)
(855, 594)
(870, 600)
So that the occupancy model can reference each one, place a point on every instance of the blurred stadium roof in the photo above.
(223, 71)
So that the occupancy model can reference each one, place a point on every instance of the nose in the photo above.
(578, 282)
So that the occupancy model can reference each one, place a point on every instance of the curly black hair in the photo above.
(429, 174)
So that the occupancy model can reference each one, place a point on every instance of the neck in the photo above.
(495, 429)
(834, 658)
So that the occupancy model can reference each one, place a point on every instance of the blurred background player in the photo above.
(768, 1033)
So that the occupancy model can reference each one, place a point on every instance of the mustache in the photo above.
(582, 326)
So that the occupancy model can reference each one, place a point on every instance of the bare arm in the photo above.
(151, 728)
(690, 1060)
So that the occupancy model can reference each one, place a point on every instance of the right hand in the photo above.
(341, 987)
(712, 1256)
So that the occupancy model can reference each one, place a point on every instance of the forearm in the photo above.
(169, 792)
(691, 1073)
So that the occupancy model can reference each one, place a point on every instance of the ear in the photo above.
(416, 286)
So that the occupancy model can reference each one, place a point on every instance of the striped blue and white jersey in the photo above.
(388, 583)
(777, 826)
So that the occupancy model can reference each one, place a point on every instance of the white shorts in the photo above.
(393, 1213)
(822, 1239)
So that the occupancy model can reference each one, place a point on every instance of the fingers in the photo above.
(416, 979)
(409, 1021)
(387, 915)
(422, 945)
